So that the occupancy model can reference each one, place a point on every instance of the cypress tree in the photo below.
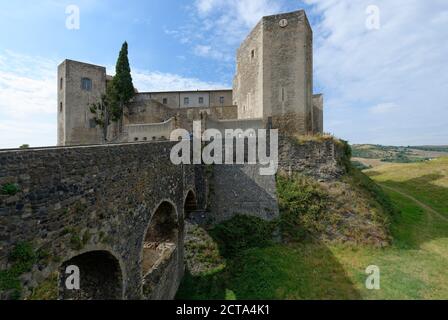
(122, 89)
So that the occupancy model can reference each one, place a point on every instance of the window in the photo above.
(201, 100)
(60, 107)
(252, 54)
(221, 100)
(186, 101)
(86, 84)
(165, 101)
(135, 139)
(61, 83)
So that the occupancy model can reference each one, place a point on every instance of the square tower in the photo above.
(79, 85)
(274, 78)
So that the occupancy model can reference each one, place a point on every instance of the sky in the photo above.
(382, 65)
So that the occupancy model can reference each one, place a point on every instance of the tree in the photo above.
(121, 89)
(103, 111)
(24, 146)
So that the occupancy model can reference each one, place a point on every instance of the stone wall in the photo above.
(240, 189)
(152, 112)
(322, 159)
(195, 99)
(287, 68)
(75, 121)
(318, 113)
(89, 199)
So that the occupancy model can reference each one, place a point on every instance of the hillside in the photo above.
(314, 266)
(367, 156)
(398, 154)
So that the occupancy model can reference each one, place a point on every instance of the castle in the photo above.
(118, 211)
(273, 88)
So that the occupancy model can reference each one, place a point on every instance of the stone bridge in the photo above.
(115, 211)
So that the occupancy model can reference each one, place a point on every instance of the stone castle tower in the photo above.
(79, 85)
(273, 87)
(275, 73)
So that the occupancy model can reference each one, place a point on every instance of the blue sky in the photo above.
(387, 85)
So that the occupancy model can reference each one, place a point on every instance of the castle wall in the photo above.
(318, 113)
(152, 112)
(240, 189)
(75, 121)
(195, 99)
(287, 72)
(150, 132)
(248, 82)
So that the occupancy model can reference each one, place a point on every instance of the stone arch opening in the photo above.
(161, 238)
(190, 205)
(100, 277)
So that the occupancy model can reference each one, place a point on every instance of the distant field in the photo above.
(397, 154)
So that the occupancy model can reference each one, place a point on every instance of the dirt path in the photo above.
(421, 204)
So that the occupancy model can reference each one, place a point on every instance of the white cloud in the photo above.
(27, 100)
(218, 26)
(158, 81)
(28, 97)
(383, 108)
(400, 70)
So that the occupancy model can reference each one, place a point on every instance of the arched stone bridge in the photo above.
(115, 211)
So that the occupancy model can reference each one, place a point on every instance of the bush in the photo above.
(376, 192)
(241, 233)
(10, 189)
(302, 204)
(23, 258)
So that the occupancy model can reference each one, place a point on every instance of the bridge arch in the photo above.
(100, 277)
(161, 237)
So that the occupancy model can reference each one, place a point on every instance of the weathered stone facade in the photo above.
(275, 73)
(273, 83)
(117, 211)
(74, 201)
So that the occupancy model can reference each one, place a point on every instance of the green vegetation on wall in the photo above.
(10, 189)
(22, 259)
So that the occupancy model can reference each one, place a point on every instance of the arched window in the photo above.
(60, 107)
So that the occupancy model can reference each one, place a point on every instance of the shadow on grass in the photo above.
(277, 271)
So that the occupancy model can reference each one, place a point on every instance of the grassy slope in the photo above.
(412, 268)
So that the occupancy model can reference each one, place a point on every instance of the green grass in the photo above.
(412, 267)
(427, 181)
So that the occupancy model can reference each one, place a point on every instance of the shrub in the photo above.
(302, 204)
(23, 258)
(376, 192)
(10, 189)
(241, 233)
